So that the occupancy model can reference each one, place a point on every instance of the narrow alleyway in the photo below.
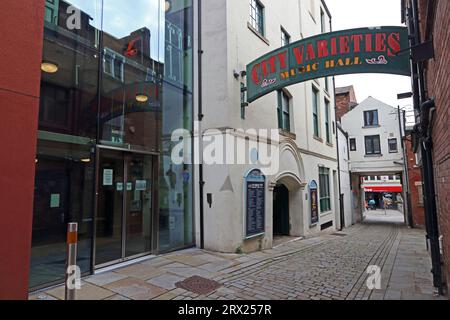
(331, 266)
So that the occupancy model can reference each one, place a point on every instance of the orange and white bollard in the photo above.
(71, 265)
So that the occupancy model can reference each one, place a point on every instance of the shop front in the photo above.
(116, 81)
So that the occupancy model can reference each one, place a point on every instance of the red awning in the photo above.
(384, 189)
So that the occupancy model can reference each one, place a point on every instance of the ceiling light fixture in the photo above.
(168, 5)
(141, 97)
(49, 67)
(86, 160)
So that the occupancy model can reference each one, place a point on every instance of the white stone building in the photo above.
(345, 181)
(376, 159)
(234, 33)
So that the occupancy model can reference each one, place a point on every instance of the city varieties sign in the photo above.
(363, 50)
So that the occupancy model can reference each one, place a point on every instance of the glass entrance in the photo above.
(125, 206)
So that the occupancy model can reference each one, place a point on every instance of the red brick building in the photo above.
(345, 101)
(428, 21)
(415, 187)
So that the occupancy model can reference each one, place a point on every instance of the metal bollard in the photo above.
(72, 239)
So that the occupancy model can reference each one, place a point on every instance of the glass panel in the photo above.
(66, 137)
(64, 189)
(175, 186)
(110, 204)
(130, 104)
(139, 205)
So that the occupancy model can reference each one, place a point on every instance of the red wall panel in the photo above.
(21, 38)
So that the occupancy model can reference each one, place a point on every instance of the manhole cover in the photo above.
(339, 234)
(198, 285)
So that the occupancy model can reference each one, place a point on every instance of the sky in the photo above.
(349, 14)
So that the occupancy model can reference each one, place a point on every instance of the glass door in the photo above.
(138, 207)
(124, 206)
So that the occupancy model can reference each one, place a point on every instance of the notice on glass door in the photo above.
(108, 177)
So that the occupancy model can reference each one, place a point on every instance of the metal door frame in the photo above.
(126, 153)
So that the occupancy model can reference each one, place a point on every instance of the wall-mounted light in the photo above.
(168, 5)
(49, 67)
(141, 97)
(86, 160)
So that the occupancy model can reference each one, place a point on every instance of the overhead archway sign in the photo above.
(363, 50)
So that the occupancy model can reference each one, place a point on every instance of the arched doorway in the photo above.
(281, 223)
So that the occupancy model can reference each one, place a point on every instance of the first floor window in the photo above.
(324, 185)
(352, 144)
(373, 145)
(419, 186)
(257, 16)
(285, 38)
(371, 118)
(315, 102)
(327, 121)
(284, 119)
(393, 148)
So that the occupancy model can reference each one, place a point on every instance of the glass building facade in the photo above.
(116, 81)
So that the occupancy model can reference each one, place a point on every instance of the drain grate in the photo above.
(198, 285)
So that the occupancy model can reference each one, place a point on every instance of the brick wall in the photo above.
(345, 98)
(415, 179)
(438, 85)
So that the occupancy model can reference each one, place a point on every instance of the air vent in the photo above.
(326, 225)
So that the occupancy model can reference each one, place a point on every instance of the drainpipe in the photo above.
(419, 97)
(200, 119)
(405, 177)
(341, 204)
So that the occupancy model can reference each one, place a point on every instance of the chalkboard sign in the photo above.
(255, 188)
(313, 196)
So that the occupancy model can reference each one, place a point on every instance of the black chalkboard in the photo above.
(255, 208)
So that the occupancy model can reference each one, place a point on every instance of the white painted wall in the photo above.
(229, 45)
(353, 123)
(344, 167)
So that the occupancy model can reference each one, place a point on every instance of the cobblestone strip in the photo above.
(360, 291)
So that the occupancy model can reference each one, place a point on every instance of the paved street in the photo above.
(330, 266)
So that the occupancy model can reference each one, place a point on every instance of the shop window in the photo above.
(371, 118)
(324, 185)
(373, 145)
(257, 16)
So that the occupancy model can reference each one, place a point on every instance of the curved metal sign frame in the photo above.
(363, 50)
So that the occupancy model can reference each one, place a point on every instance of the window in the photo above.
(315, 98)
(285, 37)
(352, 144)
(257, 16)
(327, 86)
(51, 11)
(327, 121)
(324, 185)
(284, 121)
(113, 64)
(371, 118)
(419, 186)
(373, 145)
(393, 148)
(322, 21)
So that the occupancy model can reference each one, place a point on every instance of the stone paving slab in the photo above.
(325, 267)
